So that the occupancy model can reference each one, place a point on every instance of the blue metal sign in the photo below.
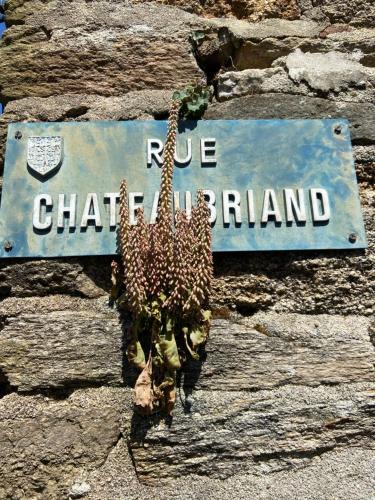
(270, 184)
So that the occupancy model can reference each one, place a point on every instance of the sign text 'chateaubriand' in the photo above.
(269, 184)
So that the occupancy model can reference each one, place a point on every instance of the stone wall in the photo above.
(283, 406)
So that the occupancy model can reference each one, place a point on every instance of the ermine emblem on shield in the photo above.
(44, 154)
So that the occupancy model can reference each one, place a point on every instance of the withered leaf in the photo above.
(115, 280)
(168, 348)
(207, 315)
(157, 359)
(198, 336)
(193, 354)
(169, 381)
(155, 310)
(135, 354)
(170, 399)
(143, 391)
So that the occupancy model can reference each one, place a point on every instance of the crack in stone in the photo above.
(5, 387)
(132, 458)
(300, 454)
(74, 113)
(371, 332)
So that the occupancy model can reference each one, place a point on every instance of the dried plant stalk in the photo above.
(166, 279)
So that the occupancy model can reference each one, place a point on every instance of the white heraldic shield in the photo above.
(44, 154)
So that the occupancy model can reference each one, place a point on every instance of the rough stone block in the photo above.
(221, 434)
(232, 84)
(313, 283)
(291, 106)
(324, 72)
(355, 12)
(241, 45)
(311, 74)
(69, 343)
(269, 28)
(238, 45)
(89, 277)
(252, 10)
(46, 443)
(97, 48)
(269, 350)
(74, 342)
(329, 475)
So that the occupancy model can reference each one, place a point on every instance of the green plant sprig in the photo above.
(194, 100)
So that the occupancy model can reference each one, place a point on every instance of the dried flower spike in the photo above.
(166, 278)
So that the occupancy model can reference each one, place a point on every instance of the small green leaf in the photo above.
(194, 106)
(197, 36)
(181, 95)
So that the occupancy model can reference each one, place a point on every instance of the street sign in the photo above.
(269, 184)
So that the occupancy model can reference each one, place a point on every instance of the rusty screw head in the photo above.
(18, 135)
(352, 237)
(338, 129)
(8, 246)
